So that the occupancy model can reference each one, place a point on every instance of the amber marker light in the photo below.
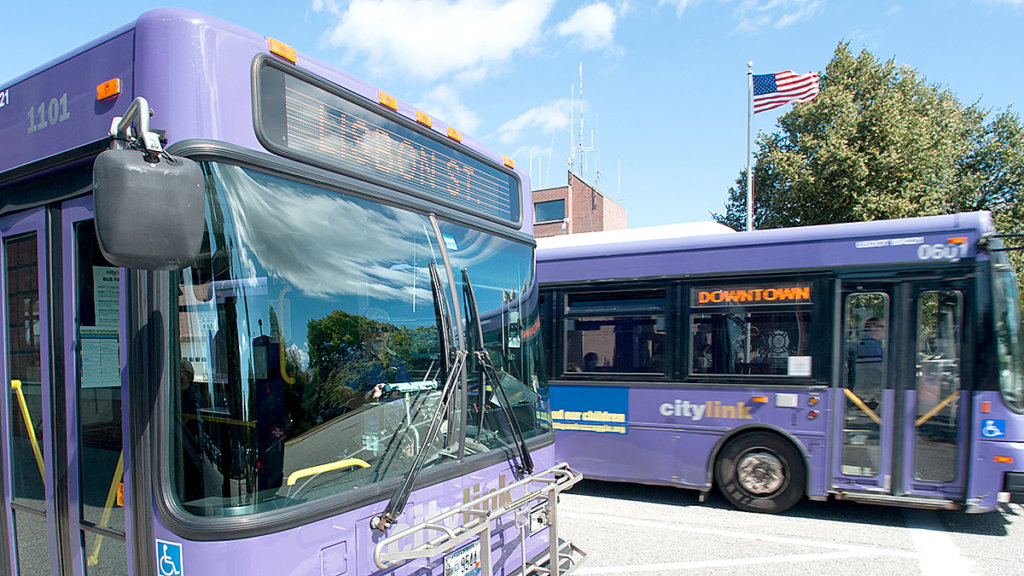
(812, 401)
(424, 119)
(986, 407)
(759, 399)
(388, 100)
(283, 50)
(108, 89)
(957, 240)
(454, 134)
(509, 162)
(1003, 459)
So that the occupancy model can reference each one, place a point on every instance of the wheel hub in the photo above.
(760, 473)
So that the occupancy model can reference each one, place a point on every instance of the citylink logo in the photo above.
(709, 409)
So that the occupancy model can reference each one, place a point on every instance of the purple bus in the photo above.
(876, 362)
(255, 320)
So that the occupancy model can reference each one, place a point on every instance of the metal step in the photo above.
(902, 501)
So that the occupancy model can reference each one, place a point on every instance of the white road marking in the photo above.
(937, 554)
(838, 551)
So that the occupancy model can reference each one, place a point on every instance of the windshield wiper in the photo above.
(490, 373)
(453, 361)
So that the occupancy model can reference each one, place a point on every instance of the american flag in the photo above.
(774, 90)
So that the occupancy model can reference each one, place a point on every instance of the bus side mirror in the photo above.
(149, 215)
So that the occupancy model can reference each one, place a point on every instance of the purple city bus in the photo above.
(876, 362)
(255, 320)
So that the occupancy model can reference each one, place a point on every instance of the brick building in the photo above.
(576, 208)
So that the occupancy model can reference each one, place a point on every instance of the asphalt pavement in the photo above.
(628, 529)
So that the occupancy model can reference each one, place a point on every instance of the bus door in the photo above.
(60, 423)
(900, 401)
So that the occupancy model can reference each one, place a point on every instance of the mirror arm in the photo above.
(123, 137)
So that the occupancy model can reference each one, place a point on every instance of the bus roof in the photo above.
(195, 70)
(936, 240)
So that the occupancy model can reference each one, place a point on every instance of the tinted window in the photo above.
(764, 329)
(616, 333)
(550, 211)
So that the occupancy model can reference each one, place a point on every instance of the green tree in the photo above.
(880, 142)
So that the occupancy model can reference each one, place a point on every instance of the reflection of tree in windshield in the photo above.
(344, 363)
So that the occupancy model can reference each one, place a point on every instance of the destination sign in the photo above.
(760, 295)
(315, 122)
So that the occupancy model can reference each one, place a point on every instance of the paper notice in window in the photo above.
(799, 366)
(101, 361)
(106, 295)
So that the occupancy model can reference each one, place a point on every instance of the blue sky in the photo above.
(664, 81)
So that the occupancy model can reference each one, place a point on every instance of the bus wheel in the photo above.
(760, 472)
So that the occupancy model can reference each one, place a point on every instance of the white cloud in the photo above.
(550, 118)
(431, 39)
(680, 5)
(592, 25)
(443, 103)
(754, 15)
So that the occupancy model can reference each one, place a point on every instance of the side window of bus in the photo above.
(751, 330)
(615, 333)
(867, 343)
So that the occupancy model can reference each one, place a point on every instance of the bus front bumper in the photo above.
(1013, 488)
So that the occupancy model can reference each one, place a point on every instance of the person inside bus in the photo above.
(193, 435)
(870, 373)
(702, 351)
(590, 362)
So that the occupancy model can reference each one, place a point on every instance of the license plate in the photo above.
(463, 562)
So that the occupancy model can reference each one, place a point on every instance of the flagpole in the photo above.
(750, 119)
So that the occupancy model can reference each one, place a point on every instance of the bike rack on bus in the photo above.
(477, 519)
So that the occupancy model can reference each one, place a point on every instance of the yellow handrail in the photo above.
(294, 476)
(935, 410)
(864, 407)
(94, 558)
(16, 385)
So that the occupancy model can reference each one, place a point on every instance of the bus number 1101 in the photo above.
(48, 113)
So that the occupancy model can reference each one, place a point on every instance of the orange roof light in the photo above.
(108, 89)
(424, 119)
(283, 50)
(387, 100)
(509, 162)
(454, 134)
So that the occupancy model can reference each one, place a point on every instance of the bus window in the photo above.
(939, 324)
(751, 330)
(616, 333)
(308, 367)
(866, 359)
(1008, 338)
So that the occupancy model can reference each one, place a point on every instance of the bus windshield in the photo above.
(310, 352)
(1008, 336)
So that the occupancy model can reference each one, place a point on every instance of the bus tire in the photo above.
(760, 472)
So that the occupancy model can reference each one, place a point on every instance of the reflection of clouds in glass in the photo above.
(497, 266)
(325, 244)
(300, 354)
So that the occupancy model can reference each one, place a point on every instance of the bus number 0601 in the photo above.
(48, 113)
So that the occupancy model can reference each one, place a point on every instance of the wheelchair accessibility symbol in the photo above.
(993, 428)
(168, 558)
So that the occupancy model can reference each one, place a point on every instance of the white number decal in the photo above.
(5, 98)
(46, 114)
